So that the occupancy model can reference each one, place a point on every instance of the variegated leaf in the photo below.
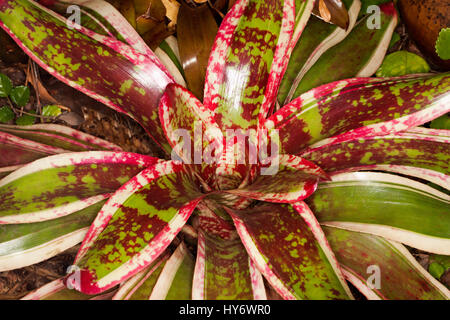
(168, 278)
(101, 15)
(360, 108)
(360, 54)
(290, 250)
(56, 290)
(192, 131)
(140, 286)
(25, 244)
(400, 276)
(224, 271)
(420, 147)
(58, 185)
(289, 180)
(17, 151)
(315, 40)
(386, 205)
(175, 280)
(247, 61)
(60, 136)
(130, 81)
(135, 226)
(214, 220)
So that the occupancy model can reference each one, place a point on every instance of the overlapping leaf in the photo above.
(169, 278)
(349, 58)
(17, 151)
(423, 148)
(60, 136)
(101, 17)
(291, 179)
(360, 107)
(387, 205)
(290, 251)
(223, 271)
(59, 185)
(130, 82)
(25, 244)
(247, 61)
(400, 275)
(136, 225)
(315, 40)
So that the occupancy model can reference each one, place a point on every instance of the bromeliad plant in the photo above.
(357, 178)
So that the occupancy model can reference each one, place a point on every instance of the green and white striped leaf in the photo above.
(400, 276)
(25, 244)
(386, 205)
(317, 37)
(360, 54)
(224, 271)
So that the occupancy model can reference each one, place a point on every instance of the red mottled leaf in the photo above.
(101, 17)
(400, 276)
(224, 271)
(213, 219)
(360, 108)
(135, 226)
(60, 136)
(17, 151)
(130, 81)
(191, 131)
(289, 179)
(247, 60)
(420, 147)
(289, 249)
(58, 185)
